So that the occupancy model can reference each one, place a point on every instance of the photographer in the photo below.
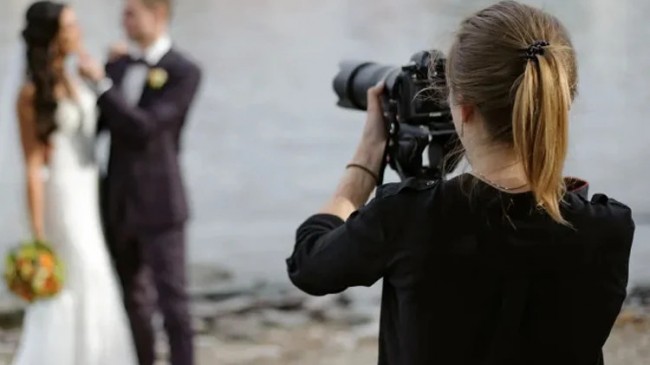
(507, 264)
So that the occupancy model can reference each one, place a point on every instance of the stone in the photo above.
(344, 340)
(212, 310)
(201, 275)
(347, 317)
(6, 349)
(344, 300)
(639, 295)
(239, 328)
(12, 310)
(338, 309)
(202, 325)
(317, 307)
(282, 298)
(235, 353)
(11, 336)
(367, 333)
(284, 319)
(220, 291)
(629, 316)
(11, 319)
(265, 297)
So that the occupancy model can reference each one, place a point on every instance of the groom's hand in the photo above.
(90, 69)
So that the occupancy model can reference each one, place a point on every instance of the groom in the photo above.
(144, 98)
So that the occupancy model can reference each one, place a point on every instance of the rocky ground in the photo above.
(263, 324)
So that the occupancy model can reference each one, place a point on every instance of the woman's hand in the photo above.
(117, 50)
(39, 236)
(89, 68)
(370, 151)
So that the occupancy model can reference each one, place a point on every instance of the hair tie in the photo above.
(534, 50)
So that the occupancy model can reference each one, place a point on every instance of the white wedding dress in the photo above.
(86, 324)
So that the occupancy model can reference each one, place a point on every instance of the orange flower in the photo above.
(51, 285)
(24, 293)
(21, 262)
(46, 261)
(26, 269)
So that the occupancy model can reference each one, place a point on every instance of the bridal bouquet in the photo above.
(33, 271)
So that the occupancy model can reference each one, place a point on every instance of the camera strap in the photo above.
(384, 163)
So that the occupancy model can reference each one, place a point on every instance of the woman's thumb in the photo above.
(374, 95)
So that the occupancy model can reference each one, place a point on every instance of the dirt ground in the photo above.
(330, 344)
(322, 344)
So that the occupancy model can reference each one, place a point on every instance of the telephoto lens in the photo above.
(354, 79)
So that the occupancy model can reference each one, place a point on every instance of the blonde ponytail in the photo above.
(524, 95)
(540, 127)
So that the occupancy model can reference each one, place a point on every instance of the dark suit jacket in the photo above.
(144, 188)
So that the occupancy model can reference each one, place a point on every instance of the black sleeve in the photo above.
(605, 289)
(139, 124)
(101, 120)
(101, 123)
(615, 255)
(331, 255)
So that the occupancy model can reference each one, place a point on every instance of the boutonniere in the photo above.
(157, 78)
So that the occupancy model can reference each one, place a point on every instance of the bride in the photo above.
(86, 323)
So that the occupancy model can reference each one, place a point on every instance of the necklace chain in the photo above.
(498, 186)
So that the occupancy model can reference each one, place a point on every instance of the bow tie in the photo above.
(137, 61)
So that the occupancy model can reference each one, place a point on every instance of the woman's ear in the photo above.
(468, 112)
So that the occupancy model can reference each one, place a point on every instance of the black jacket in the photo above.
(465, 283)
(144, 187)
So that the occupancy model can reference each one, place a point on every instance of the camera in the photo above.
(416, 112)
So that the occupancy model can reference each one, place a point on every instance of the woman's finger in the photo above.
(374, 95)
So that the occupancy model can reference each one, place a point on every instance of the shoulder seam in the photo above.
(392, 189)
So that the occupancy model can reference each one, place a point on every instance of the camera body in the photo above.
(415, 110)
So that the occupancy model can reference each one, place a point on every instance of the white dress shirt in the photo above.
(135, 77)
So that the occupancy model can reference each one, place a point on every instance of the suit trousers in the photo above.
(152, 270)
